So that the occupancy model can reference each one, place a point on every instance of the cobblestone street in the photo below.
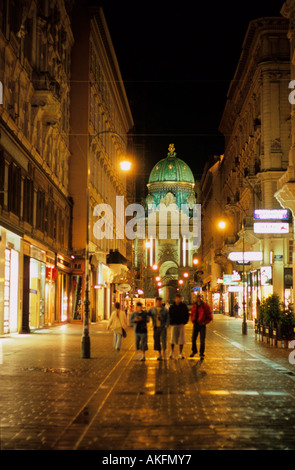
(241, 397)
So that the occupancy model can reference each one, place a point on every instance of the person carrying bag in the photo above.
(118, 324)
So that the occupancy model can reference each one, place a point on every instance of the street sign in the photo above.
(123, 287)
(227, 279)
(271, 227)
(271, 214)
(235, 288)
(246, 256)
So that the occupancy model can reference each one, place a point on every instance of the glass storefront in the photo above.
(63, 296)
(37, 288)
(11, 277)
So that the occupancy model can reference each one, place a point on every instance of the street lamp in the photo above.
(85, 342)
(125, 165)
(244, 324)
(222, 225)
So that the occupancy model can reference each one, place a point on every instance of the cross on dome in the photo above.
(171, 150)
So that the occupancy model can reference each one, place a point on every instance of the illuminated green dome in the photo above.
(171, 179)
(171, 168)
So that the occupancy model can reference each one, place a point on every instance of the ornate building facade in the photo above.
(35, 210)
(286, 185)
(256, 127)
(100, 122)
(165, 257)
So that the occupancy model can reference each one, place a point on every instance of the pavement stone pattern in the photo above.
(241, 397)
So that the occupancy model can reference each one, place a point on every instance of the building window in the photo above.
(40, 215)
(49, 219)
(290, 252)
(28, 201)
(14, 189)
(2, 177)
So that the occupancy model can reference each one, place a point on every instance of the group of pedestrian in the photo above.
(176, 316)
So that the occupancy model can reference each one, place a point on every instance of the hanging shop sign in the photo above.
(196, 289)
(271, 214)
(271, 227)
(51, 273)
(235, 288)
(123, 287)
(247, 256)
(235, 276)
(227, 279)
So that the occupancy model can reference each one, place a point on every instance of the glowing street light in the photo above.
(195, 261)
(222, 225)
(148, 244)
(155, 267)
(159, 284)
(186, 275)
(158, 278)
(180, 282)
(125, 165)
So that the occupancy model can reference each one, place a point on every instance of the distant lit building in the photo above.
(170, 260)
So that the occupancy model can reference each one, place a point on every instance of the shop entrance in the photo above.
(11, 291)
(37, 293)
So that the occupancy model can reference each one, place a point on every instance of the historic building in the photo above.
(164, 259)
(256, 127)
(286, 184)
(99, 125)
(35, 209)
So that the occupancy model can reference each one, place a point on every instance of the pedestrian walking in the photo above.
(159, 315)
(140, 318)
(201, 315)
(118, 324)
(178, 318)
(236, 310)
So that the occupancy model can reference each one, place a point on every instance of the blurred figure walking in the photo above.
(118, 324)
(160, 317)
(178, 318)
(201, 315)
(140, 318)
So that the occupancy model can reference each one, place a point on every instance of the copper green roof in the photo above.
(171, 168)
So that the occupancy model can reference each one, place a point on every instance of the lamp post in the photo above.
(85, 342)
(222, 225)
(244, 324)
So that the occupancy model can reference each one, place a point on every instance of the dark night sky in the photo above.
(177, 60)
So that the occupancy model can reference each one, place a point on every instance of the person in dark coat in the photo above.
(201, 315)
(178, 318)
(140, 318)
(160, 318)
